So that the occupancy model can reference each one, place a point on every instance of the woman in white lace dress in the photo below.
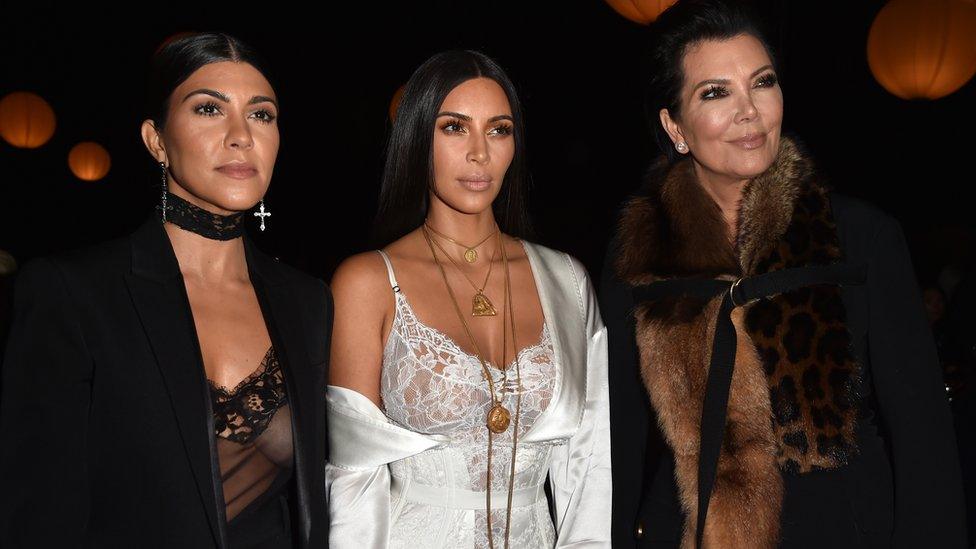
(422, 325)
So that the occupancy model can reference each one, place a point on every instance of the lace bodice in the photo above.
(429, 384)
(252, 426)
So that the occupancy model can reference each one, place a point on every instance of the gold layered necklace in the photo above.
(499, 417)
(470, 252)
(480, 304)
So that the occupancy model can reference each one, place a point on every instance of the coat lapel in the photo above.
(562, 307)
(159, 296)
(282, 315)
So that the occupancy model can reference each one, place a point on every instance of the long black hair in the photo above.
(684, 24)
(180, 57)
(409, 170)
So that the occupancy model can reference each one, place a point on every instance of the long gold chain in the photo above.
(518, 392)
(508, 310)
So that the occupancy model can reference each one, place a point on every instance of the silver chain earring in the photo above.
(262, 214)
(165, 190)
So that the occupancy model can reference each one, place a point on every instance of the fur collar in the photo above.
(792, 404)
(674, 229)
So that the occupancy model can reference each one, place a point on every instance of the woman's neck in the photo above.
(726, 192)
(466, 229)
(208, 260)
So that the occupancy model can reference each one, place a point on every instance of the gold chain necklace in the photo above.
(470, 252)
(498, 416)
(480, 304)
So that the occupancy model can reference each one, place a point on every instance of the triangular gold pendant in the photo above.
(481, 306)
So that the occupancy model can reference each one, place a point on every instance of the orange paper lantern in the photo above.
(395, 102)
(923, 49)
(26, 120)
(644, 12)
(89, 161)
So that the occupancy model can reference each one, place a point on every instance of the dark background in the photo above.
(580, 68)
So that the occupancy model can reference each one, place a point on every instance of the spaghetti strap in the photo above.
(389, 271)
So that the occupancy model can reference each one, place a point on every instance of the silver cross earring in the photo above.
(262, 214)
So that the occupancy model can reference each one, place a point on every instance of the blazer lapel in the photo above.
(283, 318)
(159, 296)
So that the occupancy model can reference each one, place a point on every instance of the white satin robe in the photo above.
(363, 441)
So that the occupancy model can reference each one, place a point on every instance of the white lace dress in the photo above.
(412, 475)
(431, 385)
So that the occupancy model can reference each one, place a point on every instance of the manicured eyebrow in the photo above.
(262, 99)
(464, 117)
(724, 82)
(211, 93)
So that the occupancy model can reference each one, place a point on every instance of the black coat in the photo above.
(903, 487)
(106, 424)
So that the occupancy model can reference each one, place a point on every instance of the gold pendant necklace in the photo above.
(498, 418)
(470, 252)
(480, 304)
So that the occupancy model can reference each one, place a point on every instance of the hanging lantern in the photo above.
(923, 49)
(7, 264)
(26, 120)
(644, 12)
(395, 102)
(89, 161)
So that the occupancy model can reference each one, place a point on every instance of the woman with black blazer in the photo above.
(774, 325)
(167, 389)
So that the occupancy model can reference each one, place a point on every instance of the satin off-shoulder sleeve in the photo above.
(580, 473)
(362, 442)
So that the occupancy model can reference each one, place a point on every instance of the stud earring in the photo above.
(681, 146)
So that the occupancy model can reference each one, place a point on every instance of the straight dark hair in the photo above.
(683, 25)
(409, 170)
(177, 59)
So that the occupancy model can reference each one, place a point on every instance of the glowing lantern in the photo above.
(7, 263)
(26, 120)
(89, 161)
(923, 49)
(395, 102)
(640, 11)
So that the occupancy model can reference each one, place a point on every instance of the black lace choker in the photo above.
(197, 220)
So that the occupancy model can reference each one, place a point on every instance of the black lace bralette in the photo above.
(244, 412)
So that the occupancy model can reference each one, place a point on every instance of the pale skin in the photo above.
(730, 90)
(472, 149)
(220, 141)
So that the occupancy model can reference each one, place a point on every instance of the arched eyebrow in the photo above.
(725, 82)
(217, 95)
(205, 91)
(262, 99)
(467, 118)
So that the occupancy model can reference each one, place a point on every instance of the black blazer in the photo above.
(106, 425)
(902, 490)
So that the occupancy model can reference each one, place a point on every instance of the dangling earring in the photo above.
(262, 214)
(681, 146)
(165, 190)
